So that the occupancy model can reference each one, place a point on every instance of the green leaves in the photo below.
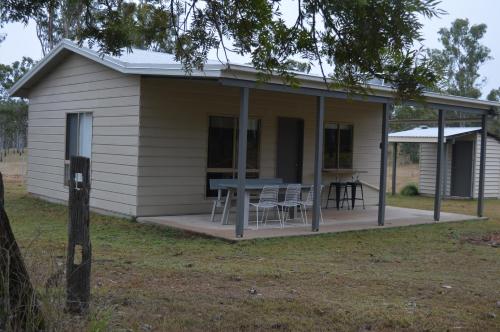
(459, 61)
(349, 41)
(494, 95)
(13, 111)
(10, 74)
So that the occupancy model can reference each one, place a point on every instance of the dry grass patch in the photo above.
(463, 206)
(492, 239)
(14, 166)
(405, 174)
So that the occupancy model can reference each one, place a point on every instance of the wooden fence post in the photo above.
(19, 310)
(78, 263)
(2, 199)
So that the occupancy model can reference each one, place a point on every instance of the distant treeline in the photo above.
(13, 111)
(13, 127)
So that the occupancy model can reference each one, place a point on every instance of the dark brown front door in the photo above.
(289, 149)
(461, 169)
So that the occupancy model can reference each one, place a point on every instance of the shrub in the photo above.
(410, 189)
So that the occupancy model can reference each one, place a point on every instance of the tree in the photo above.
(13, 125)
(494, 95)
(459, 61)
(19, 307)
(494, 123)
(457, 65)
(13, 111)
(350, 41)
(144, 25)
(57, 20)
(10, 74)
(300, 66)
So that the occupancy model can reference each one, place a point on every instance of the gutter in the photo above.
(433, 99)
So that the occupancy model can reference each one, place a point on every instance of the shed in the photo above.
(461, 160)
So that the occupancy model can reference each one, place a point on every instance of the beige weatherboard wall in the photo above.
(149, 142)
(149, 130)
(81, 85)
(174, 136)
(427, 139)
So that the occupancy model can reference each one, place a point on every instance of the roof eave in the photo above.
(412, 140)
(18, 86)
(393, 138)
(432, 99)
(19, 89)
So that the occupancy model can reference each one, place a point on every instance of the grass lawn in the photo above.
(146, 278)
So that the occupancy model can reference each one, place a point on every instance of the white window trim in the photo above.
(67, 161)
(338, 123)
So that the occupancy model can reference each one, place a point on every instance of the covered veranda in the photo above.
(380, 96)
(441, 104)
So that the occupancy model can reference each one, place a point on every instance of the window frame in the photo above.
(337, 162)
(233, 171)
(67, 161)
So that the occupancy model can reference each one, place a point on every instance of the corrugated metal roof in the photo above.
(429, 134)
(146, 57)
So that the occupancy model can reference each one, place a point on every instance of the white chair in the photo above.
(217, 203)
(309, 203)
(268, 200)
(292, 200)
(222, 199)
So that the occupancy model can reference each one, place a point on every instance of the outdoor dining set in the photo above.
(287, 202)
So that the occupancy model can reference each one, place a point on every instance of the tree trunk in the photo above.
(50, 29)
(19, 310)
(1, 191)
(79, 248)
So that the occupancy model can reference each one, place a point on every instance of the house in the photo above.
(462, 146)
(156, 135)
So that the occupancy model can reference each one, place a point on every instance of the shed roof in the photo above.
(426, 134)
(142, 62)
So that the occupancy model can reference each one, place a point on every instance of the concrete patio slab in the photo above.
(334, 221)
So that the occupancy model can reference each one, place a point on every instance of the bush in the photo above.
(410, 189)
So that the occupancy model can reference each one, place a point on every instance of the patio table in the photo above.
(231, 185)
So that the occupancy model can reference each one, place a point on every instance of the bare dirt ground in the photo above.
(405, 174)
(14, 166)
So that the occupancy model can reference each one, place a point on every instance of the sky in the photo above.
(22, 41)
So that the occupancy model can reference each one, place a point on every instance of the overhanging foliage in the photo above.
(351, 41)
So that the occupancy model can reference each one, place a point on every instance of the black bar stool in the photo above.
(338, 186)
(354, 185)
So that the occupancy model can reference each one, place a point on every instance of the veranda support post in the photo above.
(482, 166)
(242, 161)
(383, 164)
(439, 166)
(318, 162)
(394, 166)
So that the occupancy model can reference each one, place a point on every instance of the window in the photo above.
(222, 160)
(338, 146)
(78, 138)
